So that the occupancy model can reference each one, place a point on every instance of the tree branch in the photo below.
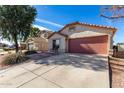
(112, 17)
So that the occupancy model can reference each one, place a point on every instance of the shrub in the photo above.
(30, 52)
(14, 59)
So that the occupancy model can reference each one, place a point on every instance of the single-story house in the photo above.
(39, 43)
(82, 38)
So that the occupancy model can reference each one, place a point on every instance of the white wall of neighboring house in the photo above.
(120, 46)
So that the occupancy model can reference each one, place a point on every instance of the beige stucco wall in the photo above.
(39, 43)
(85, 31)
(62, 47)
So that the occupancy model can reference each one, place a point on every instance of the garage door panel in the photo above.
(89, 45)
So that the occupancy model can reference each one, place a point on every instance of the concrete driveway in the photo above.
(60, 71)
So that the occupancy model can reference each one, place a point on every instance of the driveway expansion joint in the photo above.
(48, 71)
(37, 77)
(52, 82)
(27, 82)
(29, 71)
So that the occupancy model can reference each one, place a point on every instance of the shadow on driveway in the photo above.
(94, 62)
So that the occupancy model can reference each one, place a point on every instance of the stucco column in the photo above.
(109, 44)
(66, 40)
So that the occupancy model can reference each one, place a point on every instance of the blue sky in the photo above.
(54, 17)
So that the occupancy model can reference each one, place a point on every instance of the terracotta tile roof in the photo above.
(92, 25)
(58, 33)
(84, 24)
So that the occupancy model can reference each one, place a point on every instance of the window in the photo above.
(56, 44)
(72, 28)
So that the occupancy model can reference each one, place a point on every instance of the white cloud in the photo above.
(6, 42)
(41, 27)
(48, 22)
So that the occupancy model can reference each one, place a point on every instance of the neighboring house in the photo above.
(82, 38)
(120, 46)
(39, 43)
(22, 45)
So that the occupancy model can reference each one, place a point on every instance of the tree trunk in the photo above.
(16, 47)
(16, 44)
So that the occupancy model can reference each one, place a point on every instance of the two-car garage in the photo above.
(89, 45)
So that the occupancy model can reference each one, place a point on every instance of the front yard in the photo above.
(6, 57)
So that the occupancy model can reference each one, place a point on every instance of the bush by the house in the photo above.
(14, 59)
(30, 52)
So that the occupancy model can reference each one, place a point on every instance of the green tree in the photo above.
(34, 32)
(16, 22)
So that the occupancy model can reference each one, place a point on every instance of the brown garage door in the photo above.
(89, 45)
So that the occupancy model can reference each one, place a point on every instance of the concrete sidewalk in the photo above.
(62, 71)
